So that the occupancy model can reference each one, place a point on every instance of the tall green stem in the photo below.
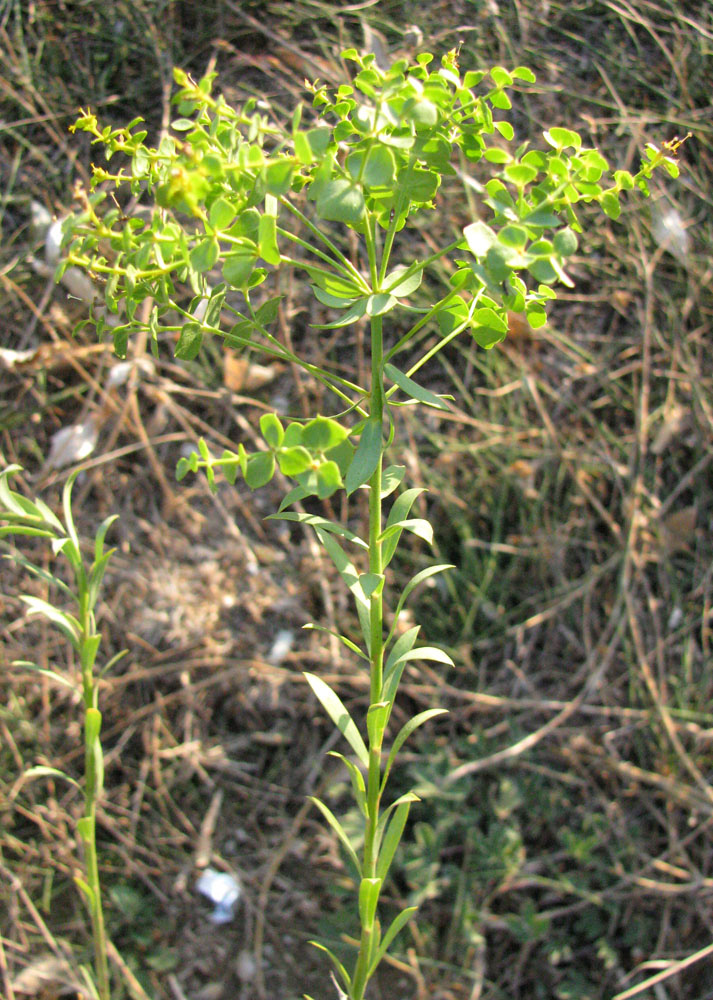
(373, 789)
(93, 779)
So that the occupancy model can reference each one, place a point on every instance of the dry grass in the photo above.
(573, 855)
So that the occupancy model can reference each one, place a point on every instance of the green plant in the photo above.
(234, 196)
(34, 519)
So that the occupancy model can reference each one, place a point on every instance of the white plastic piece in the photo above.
(223, 890)
(670, 232)
(72, 444)
(53, 242)
(282, 645)
(120, 372)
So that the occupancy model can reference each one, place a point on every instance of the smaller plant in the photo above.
(34, 519)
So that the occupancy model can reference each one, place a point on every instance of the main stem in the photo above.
(376, 658)
(91, 792)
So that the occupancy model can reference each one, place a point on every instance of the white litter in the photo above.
(670, 232)
(282, 645)
(223, 890)
(72, 444)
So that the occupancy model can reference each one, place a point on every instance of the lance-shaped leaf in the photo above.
(414, 582)
(413, 390)
(49, 772)
(357, 780)
(401, 646)
(335, 709)
(366, 457)
(342, 638)
(376, 719)
(397, 522)
(404, 733)
(397, 924)
(417, 525)
(392, 839)
(369, 890)
(339, 830)
(393, 677)
(49, 674)
(384, 818)
(341, 971)
(315, 521)
(356, 311)
(66, 623)
(350, 576)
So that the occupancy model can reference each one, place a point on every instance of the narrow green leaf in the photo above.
(354, 313)
(75, 557)
(336, 284)
(68, 625)
(369, 890)
(86, 890)
(101, 535)
(392, 839)
(49, 772)
(417, 525)
(357, 779)
(424, 574)
(339, 830)
(377, 305)
(316, 521)
(372, 583)
(342, 638)
(432, 653)
(413, 390)
(401, 646)
(341, 971)
(404, 733)
(49, 674)
(334, 707)
(396, 925)
(376, 719)
(92, 724)
(366, 457)
(85, 829)
(333, 301)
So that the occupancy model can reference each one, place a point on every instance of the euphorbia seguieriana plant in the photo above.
(231, 196)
